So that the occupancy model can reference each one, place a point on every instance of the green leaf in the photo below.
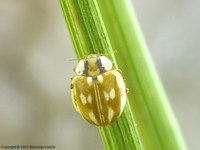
(157, 125)
(89, 36)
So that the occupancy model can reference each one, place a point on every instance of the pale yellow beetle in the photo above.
(98, 92)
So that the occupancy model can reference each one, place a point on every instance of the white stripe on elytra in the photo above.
(89, 99)
(89, 81)
(100, 78)
(93, 118)
(110, 114)
(83, 99)
(121, 85)
(112, 93)
(106, 96)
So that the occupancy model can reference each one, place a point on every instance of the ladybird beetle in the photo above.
(98, 92)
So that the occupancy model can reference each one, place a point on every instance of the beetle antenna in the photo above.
(106, 54)
(73, 59)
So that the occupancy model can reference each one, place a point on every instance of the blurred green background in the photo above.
(35, 103)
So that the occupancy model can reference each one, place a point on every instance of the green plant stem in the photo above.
(89, 36)
(157, 125)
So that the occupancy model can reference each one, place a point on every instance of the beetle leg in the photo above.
(127, 90)
(113, 64)
(119, 70)
(71, 86)
(74, 69)
(71, 79)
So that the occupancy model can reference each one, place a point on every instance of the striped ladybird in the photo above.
(98, 92)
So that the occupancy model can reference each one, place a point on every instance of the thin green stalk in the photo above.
(157, 125)
(88, 34)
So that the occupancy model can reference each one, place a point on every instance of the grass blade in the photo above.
(88, 34)
(157, 125)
